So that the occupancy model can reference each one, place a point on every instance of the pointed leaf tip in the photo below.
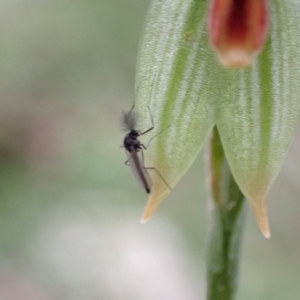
(144, 220)
(158, 194)
(260, 211)
(151, 206)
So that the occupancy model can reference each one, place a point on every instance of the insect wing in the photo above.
(138, 169)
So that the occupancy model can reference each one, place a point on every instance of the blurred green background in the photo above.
(70, 209)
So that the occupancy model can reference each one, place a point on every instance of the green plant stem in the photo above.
(225, 229)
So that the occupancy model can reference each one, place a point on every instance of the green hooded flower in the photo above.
(182, 81)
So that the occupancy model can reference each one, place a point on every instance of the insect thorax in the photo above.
(131, 142)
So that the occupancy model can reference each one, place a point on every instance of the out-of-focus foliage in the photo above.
(69, 208)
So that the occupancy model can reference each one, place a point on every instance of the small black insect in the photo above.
(134, 148)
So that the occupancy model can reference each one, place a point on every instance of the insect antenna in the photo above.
(128, 120)
(148, 105)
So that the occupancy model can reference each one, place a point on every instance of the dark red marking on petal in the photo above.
(237, 30)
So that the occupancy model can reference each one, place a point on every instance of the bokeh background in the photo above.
(70, 209)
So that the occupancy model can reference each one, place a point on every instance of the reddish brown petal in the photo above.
(237, 30)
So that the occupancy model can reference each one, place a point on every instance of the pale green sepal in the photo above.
(258, 113)
(174, 79)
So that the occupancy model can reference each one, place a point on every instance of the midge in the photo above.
(133, 148)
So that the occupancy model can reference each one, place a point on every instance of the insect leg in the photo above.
(150, 140)
(151, 117)
(152, 122)
(151, 168)
(131, 109)
(143, 160)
